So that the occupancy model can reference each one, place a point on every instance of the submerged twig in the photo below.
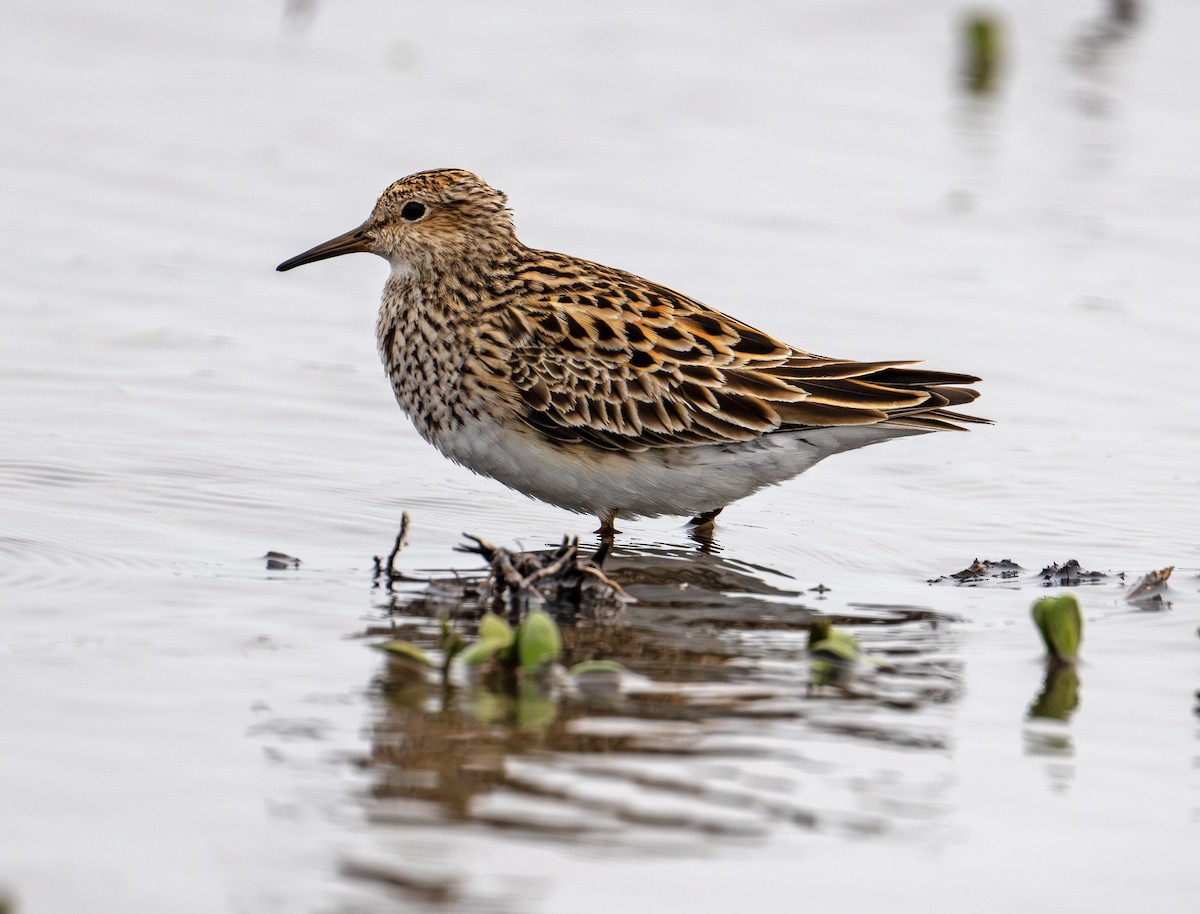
(389, 571)
(618, 592)
(396, 547)
(555, 567)
(541, 576)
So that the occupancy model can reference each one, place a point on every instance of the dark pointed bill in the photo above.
(354, 241)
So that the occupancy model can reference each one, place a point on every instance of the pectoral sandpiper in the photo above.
(596, 390)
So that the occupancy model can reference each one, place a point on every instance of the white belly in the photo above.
(648, 483)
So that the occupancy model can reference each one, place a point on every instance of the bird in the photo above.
(593, 389)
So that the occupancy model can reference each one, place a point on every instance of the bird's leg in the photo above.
(608, 525)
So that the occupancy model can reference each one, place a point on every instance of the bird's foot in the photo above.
(701, 529)
(705, 520)
(608, 526)
(607, 530)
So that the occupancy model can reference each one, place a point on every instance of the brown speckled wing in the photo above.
(605, 358)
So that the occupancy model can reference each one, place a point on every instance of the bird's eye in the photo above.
(412, 211)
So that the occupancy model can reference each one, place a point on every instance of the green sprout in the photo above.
(832, 653)
(596, 667)
(1060, 624)
(405, 650)
(538, 642)
(450, 643)
(512, 667)
(496, 637)
(513, 687)
(530, 648)
(982, 50)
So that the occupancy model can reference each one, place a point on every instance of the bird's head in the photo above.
(430, 215)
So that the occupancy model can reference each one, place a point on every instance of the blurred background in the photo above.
(1008, 190)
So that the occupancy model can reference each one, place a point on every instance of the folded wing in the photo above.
(608, 359)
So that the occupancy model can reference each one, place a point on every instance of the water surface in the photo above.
(187, 730)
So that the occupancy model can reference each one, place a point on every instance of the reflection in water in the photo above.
(1094, 54)
(1045, 731)
(712, 732)
(1060, 693)
(1097, 40)
(298, 15)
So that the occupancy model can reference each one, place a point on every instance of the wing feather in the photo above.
(603, 358)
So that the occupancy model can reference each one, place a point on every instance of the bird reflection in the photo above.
(709, 733)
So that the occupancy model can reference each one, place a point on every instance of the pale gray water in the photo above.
(182, 730)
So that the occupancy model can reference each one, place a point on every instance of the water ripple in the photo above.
(719, 735)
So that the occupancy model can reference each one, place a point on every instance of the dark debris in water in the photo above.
(1147, 591)
(559, 577)
(1070, 574)
(982, 570)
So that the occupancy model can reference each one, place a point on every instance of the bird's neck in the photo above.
(428, 318)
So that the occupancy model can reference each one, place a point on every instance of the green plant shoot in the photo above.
(1061, 625)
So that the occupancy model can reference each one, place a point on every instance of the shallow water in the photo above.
(186, 730)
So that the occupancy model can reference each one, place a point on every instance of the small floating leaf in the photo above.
(1061, 625)
(832, 654)
(482, 651)
(492, 626)
(825, 640)
(595, 666)
(818, 630)
(838, 647)
(538, 641)
(495, 636)
(597, 678)
(404, 649)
